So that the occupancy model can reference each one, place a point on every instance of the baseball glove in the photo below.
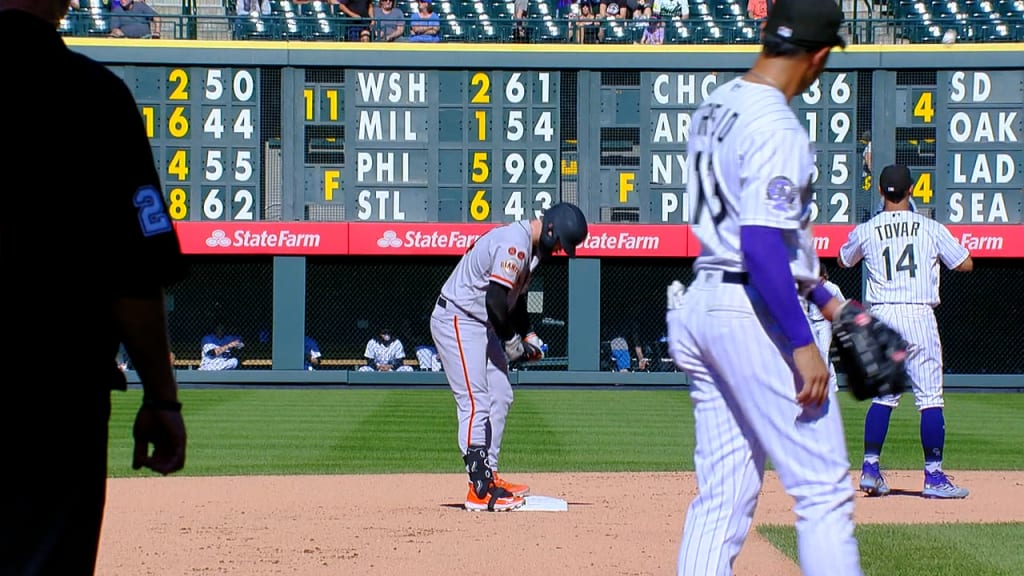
(871, 353)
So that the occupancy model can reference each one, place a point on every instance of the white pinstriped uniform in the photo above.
(750, 163)
(472, 354)
(384, 353)
(822, 329)
(901, 252)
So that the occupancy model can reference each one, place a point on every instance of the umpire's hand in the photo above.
(165, 430)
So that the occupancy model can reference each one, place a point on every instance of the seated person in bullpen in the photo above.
(219, 350)
(385, 353)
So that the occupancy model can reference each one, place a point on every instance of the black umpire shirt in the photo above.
(84, 220)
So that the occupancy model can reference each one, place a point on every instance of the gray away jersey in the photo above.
(750, 162)
(504, 255)
(901, 251)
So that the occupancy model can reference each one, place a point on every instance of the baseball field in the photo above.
(369, 481)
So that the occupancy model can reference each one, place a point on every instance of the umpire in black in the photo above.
(86, 248)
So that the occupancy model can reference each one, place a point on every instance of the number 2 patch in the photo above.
(153, 219)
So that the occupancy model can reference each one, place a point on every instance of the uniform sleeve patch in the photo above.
(511, 267)
(781, 193)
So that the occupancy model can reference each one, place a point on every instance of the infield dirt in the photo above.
(362, 525)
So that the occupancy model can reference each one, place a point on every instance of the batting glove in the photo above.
(533, 347)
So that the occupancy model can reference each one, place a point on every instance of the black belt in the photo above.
(735, 277)
(442, 302)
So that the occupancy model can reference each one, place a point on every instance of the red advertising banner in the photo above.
(452, 239)
(413, 238)
(266, 238)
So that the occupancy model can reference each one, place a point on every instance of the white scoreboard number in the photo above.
(229, 101)
(828, 109)
(524, 146)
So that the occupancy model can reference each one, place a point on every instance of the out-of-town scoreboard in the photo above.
(204, 126)
(461, 145)
(425, 146)
(644, 129)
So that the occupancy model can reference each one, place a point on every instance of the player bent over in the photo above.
(480, 324)
(901, 251)
(758, 383)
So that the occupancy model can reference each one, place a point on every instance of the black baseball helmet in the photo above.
(562, 223)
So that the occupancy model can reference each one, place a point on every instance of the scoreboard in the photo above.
(484, 145)
(976, 119)
(660, 111)
(980, 145)
(204, 127)
(433, 146)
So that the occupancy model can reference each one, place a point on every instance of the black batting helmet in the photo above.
(562, 223)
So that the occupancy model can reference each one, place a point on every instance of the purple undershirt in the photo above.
(767, 261)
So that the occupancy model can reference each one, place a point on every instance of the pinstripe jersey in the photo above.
(901, 251)
(742, 174)
(500, 256)
(384, 352)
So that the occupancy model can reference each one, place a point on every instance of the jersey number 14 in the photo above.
(906, 262)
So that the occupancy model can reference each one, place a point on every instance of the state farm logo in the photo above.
(433, 240)
(389, 240)
(262, 239)
(218, 239)
(622, 241)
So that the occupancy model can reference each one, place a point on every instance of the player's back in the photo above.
(727, 156)
(502, 254)
(902, 251)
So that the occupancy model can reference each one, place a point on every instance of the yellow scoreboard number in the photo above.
(206, 115)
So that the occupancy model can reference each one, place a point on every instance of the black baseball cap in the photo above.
(895, 181)
(809, 24)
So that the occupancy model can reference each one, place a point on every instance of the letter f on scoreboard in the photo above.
(626, 185)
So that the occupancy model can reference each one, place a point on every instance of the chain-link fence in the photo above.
(349, 300)
(235, 292)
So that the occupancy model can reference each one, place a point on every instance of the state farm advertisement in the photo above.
(452, 239)
(413, 238)
(263, 238)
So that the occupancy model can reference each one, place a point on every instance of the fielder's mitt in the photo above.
(871, 352)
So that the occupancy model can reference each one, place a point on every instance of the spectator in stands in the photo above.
(311, 354)
(425, 25)
(131, 19)
(361, 11)
(616, 9)
(641, 18)
(218, 350)
(428, 359)
(385, 353)
(585, 27)
(758, 9)
(247, 11)
(521, 33)
(390, 22)
(672, 9)
(655, 32)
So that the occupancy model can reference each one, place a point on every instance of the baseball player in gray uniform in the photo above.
(758, 383)
(480, 324)
(821, 327)
(901, 251)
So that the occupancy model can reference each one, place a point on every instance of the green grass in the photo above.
(361, 431)
(927, 549)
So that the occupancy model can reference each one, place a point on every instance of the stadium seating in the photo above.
(493, 21)
(970, 20)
